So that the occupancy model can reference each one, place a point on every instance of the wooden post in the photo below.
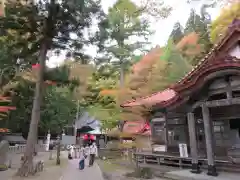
(166, 132)
(193, 143)
(209, 141)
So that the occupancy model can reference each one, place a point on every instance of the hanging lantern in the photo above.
(36, 66)
(85, 137)
(92, 137)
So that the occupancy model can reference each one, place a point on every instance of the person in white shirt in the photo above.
(93, 153)
(70, 151)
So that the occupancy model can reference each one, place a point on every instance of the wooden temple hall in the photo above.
(202, 110)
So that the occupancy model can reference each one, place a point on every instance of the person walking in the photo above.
(93, 153)
(71, 151)
(82, 159)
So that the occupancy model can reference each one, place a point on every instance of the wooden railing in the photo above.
(157, 160)
(162, 159)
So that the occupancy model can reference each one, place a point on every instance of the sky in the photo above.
(161, 27)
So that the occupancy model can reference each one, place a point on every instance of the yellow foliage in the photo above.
(221, 24)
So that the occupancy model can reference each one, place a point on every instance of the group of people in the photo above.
(89, 152)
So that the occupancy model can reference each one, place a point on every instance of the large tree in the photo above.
(118, 30)
(196, 41)
(98, 101)
(23, 94)
(177, 32)
(47, 25)
(59, 109)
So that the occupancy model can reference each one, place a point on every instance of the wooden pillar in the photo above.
(208, 129)
(165, 132)
(193, 143)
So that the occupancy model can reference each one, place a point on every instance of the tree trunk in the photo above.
(27, 164)
(58, 152)
(121, 87)
(121, 75)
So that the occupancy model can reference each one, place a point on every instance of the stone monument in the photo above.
(4, 148)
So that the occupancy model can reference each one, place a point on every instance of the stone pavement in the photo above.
(51, 171)
(187, 175)
(89, 173)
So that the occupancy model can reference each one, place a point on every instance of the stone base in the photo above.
(3, 167)
(212, 171)
(195, 169)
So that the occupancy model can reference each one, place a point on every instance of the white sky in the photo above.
(162, 27)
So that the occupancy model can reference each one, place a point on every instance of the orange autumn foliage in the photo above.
(108, 92)
(189, 44)
(141, 67)
(148, 60)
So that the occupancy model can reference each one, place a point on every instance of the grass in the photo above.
(108, 166)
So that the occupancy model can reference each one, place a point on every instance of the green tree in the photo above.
(59, 109)
(177, 33)
(23, 93)
(199, 24)
(122, 24)
(97, 102)
(155, 8)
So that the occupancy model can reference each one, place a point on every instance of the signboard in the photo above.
(158, 119)
(68, 140)
(183, 150)
(159, 148)
(128, 141)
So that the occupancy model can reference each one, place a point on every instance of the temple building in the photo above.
(201, 110)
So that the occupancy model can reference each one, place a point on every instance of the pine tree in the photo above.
(123, 22)
(177, 33)
(199, 25)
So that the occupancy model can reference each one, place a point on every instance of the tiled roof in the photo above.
(155, 98)
(136, 128)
